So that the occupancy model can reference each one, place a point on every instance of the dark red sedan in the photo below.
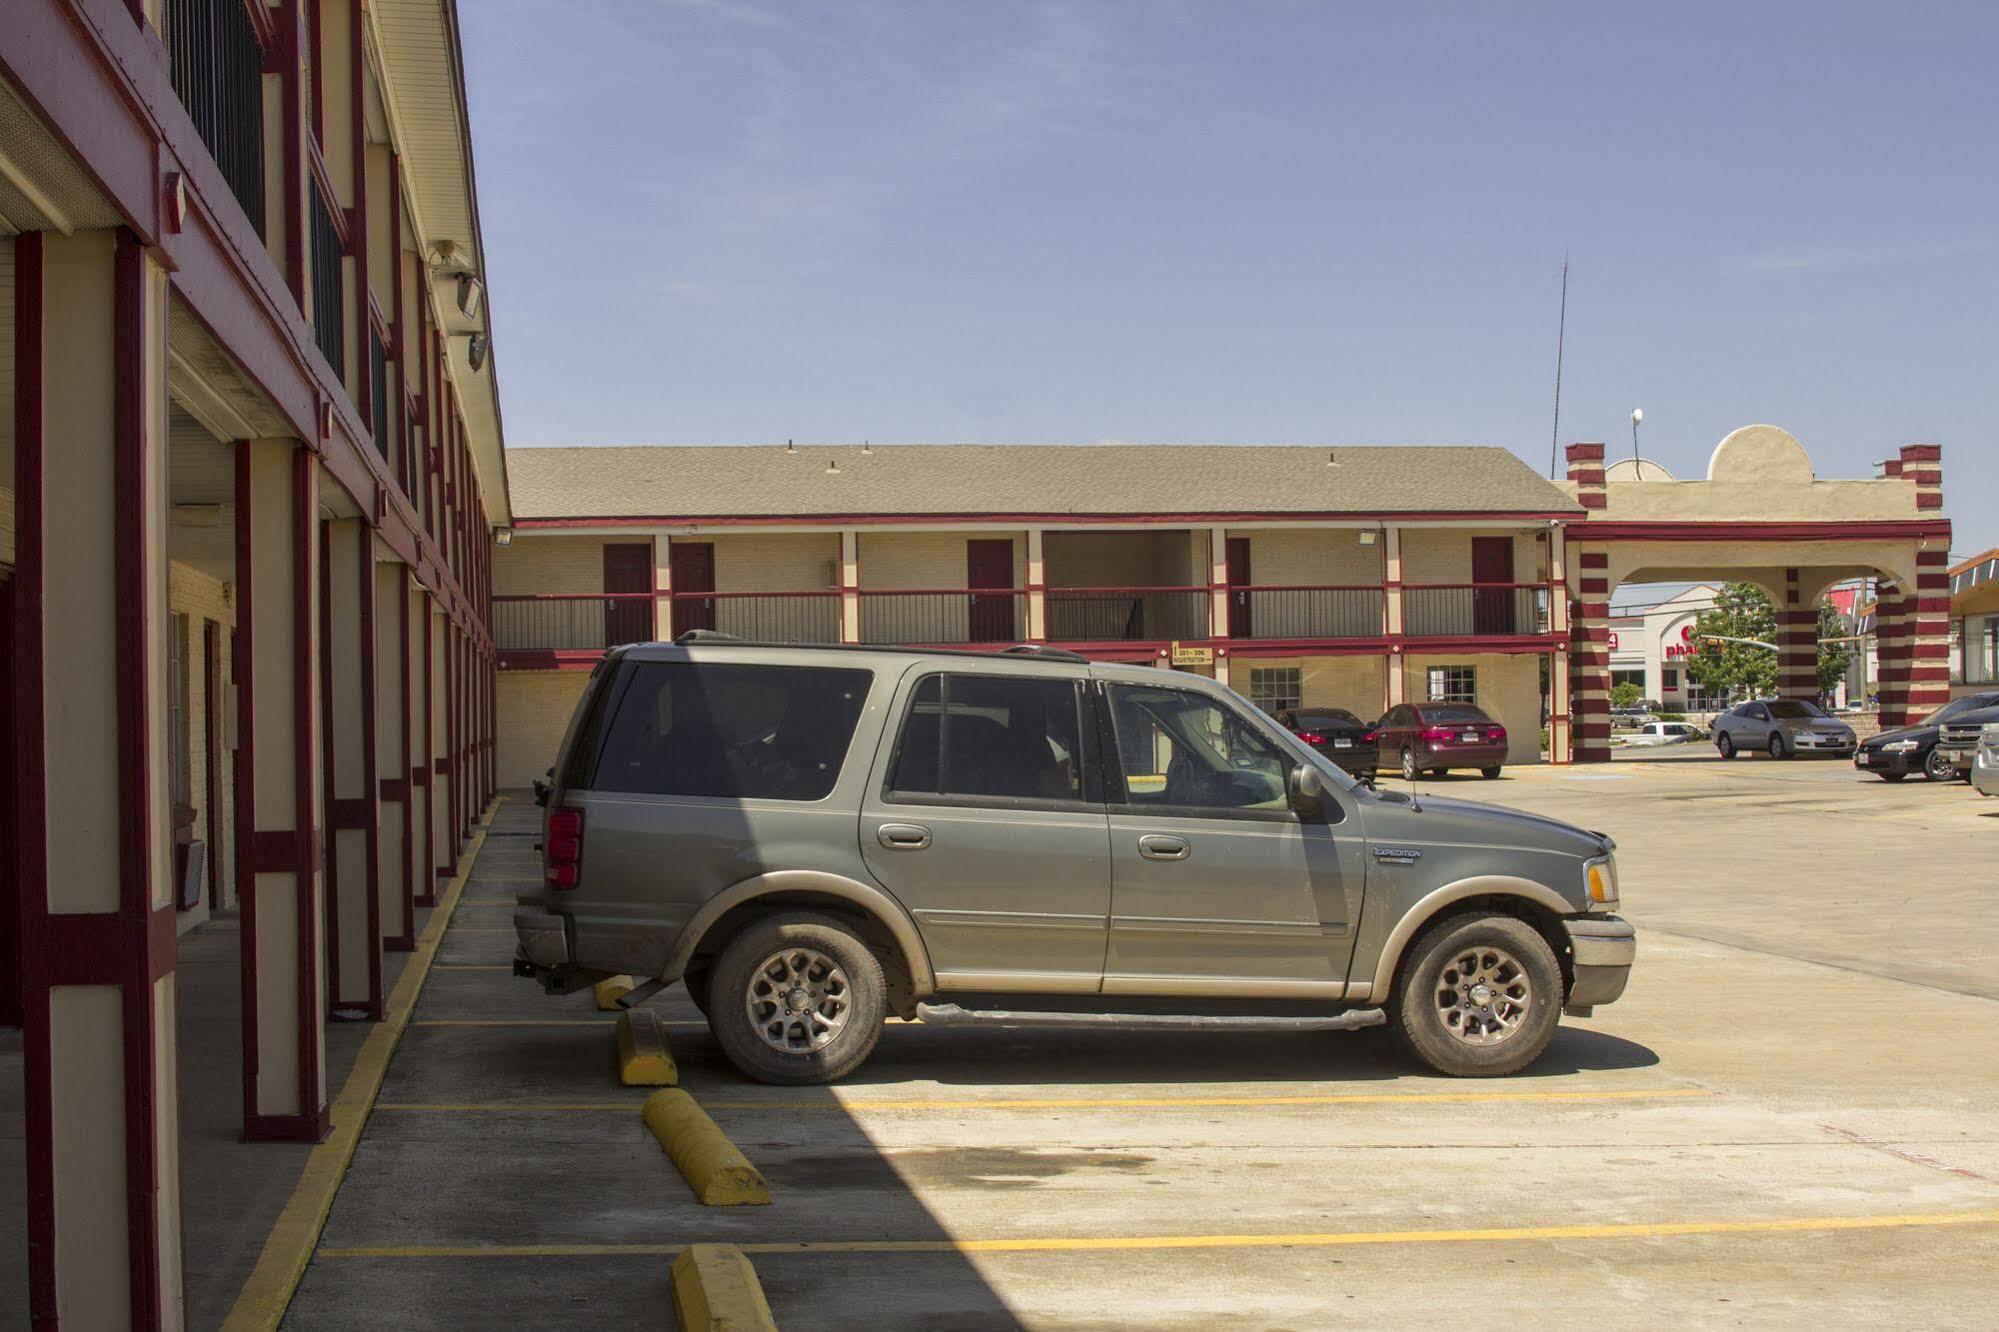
(1436, 737)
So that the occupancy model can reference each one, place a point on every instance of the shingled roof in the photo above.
(686, 482)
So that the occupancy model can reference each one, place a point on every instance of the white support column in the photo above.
(662, 582)
(396, 893)
(850, 586)
(354, 940)
(278, 777)
(1037, 588)
(89, 818)
(423, 793)
(1396, 681)
(1218, 582)
(443, 840)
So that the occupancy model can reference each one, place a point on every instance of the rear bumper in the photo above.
(1358, 758)
(1603, 949)
(1462, 756)
(543, 937)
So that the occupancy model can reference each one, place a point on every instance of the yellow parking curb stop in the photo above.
(715, 1290)
(720, 1175)
(643, 1059)
(611, 989)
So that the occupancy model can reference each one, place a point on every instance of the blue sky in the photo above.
(718, 221)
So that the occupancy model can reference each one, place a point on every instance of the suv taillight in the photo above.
(563, 856)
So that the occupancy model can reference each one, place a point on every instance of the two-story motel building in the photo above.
(1353, 577)
(250, 458)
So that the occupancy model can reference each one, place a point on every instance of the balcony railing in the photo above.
(329, 297)
(217, 66)
(765, 617)
(935, 618)
(1474, 610)
(1307, 612)
(575, 622)
(1127, 614)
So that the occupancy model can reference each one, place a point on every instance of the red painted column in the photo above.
(88, 818)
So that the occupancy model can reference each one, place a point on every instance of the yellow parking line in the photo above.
(472, 966)
(1109, 1243)
(288, 1248)
(1061, 1103)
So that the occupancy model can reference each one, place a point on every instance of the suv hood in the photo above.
(1472, 821)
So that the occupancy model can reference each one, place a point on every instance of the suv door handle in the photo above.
(903, 836)
(1161, 846)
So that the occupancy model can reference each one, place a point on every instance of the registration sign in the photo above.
(1193, 656)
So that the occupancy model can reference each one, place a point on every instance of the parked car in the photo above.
(1958, 738)
(815, 838)
(1665, 733)
(1985, 768)
(1893, 755)
(1334, 732)
(1436, 737)
(1784, 727)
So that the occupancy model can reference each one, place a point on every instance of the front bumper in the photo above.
(1603, 949)
(1890, 760)
(1960, 758)
(1819, 742)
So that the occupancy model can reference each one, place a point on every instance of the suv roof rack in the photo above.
(1037, 651)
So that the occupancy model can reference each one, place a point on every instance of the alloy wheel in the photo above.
(1483, 995)
(1408, 766)
(1938, 767)
(798, 1000)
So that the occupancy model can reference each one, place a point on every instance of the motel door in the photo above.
(1239, 581)
(989, 564)
(692, 567)
(628, 568)
(1492, 607)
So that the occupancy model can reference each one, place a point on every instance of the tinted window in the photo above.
(1187, 750)
(1013, 737)
(1325, 717)
(1459, 714)
(1791, 709)
(1970, 703)
(752, 732)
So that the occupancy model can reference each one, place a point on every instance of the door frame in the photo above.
(689, 614)
(1492, 611)
(622, 615)
(1241, 622)
(997, 613)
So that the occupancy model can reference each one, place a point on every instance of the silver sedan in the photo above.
(1782, 728)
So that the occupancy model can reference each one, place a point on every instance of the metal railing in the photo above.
(765, 617)
(1307, 612)
(981, 615)
(217, 66)
(1127, 614)
(1468, 610)
(329, 296)
(576, 622)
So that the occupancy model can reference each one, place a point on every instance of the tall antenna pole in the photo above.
(1561, 336)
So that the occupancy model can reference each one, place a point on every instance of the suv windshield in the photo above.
(1791, 709)
(1970, 703)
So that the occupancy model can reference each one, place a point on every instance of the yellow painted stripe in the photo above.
(472, 966)
(1111, 1243)
(513, 1022)
(1062, 1103)
(288, 1248)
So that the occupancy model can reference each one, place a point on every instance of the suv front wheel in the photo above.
(1480, 997)
(797, 999)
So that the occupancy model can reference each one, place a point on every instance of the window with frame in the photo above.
(1002, 737)
(1187, 751)
(1276, 688)
(740, 731)
(1453, 684)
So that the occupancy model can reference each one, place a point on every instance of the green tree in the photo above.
(1834, 658)
(1625, 694)
(1741, 610)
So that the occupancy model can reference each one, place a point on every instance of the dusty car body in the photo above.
(814, 838)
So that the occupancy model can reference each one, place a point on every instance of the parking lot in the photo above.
(1789, 1116)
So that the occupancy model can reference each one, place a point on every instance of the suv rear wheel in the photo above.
(797, 998)
(1479, 997)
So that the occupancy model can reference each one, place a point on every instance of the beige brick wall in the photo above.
(534, 709)
(1358, 684)
(1509, 689)
(929, 559)
(1126, 559)
(200, 597)
(775, 561)
(1442, 555)
(537, 563)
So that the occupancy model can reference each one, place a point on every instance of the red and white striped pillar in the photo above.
(1797, 644)
(1891, 653)
(89, 827)
(1929, 609)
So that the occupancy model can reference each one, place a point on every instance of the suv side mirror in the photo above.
(1304, 788)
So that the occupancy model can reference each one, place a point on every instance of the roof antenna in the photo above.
(1332, 457)
(789, 447)
(832, 467)
(1561, 336)
(867, 449)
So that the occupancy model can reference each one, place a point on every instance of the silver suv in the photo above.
(816, 838)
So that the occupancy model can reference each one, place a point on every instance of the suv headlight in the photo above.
(1600, 881)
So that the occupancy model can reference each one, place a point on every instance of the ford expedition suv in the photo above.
(813, 839)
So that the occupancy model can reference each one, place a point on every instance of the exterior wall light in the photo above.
(503, 536)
